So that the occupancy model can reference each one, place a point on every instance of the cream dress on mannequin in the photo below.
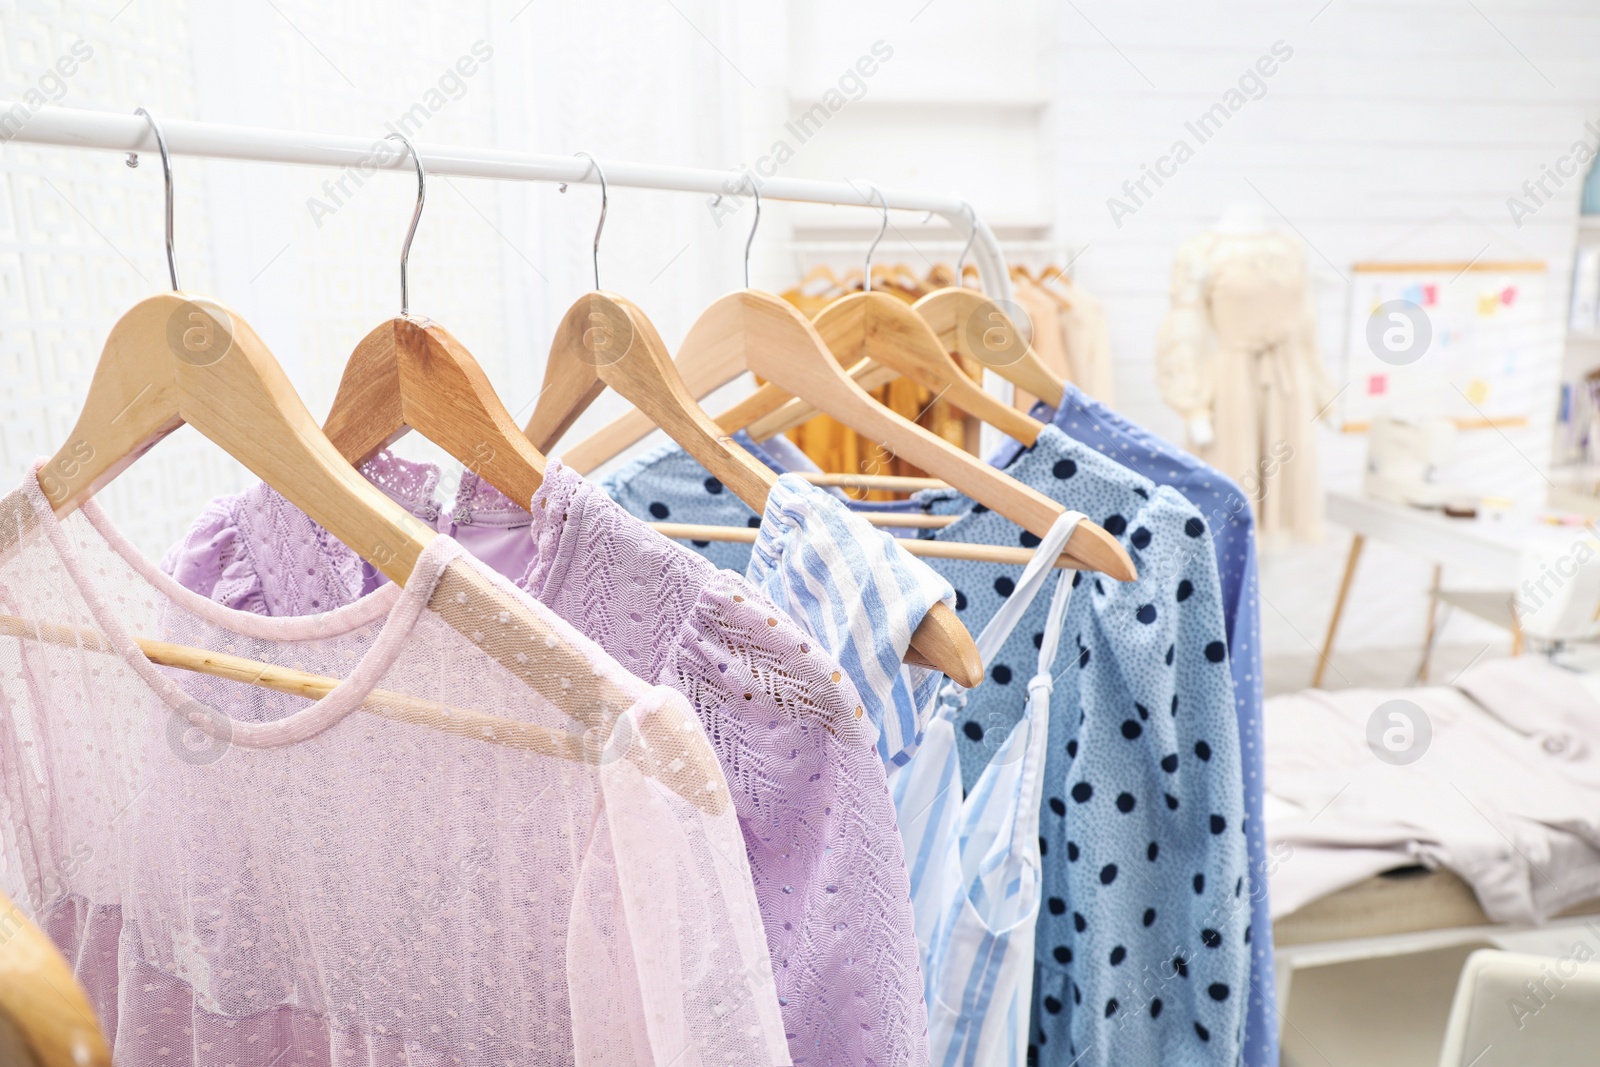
(1238, 359)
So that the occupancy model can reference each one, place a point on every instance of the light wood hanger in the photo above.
(759, 325)
(605, 340)
(45, 1016)
(752, 330)
(410, 373)
(477, 725)
(901, 346)
(770, 410)
(964, 320)
(177, 358)
(982, 331)
(1020, 272)
(643, 373)
(762, 327)
(821, 273)
(888, 331)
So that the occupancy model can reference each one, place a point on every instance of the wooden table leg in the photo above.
(1433, 613)
(1338, 609)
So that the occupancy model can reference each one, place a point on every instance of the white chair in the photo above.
(1513, 1010)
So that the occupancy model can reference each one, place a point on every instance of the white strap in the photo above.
(952, 698)
(1040, 684)
(995, 635)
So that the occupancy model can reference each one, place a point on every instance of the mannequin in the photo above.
(1242, 219)
(1238, 360)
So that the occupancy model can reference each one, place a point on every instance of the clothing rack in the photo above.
(114, 132)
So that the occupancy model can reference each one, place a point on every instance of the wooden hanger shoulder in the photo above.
(177, 358)
(703, 370)
(968, 322)
(45, 1017)
(822, 381)
(412, 373)
(888, 331)
(604, 339)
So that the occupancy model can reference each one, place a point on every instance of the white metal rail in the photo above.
(109, 131)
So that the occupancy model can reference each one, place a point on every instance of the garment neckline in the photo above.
(397, 607)
(414, 486)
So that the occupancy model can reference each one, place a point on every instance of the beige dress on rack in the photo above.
(1070, 333)
(1239, 350)
(1086, 334)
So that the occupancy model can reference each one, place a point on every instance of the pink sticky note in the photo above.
(1377, 384)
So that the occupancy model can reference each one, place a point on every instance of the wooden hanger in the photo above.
(964, 320)
(605, 339)
(951, 314)
(764, 330)
(410, 373)
(464, 722)
(821, 279)
(177, 358)
(888, 331)
(1020, 272)
(767, 335)
(45, 1016)
(900, 341)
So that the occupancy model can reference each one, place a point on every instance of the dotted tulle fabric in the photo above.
(786, 723)
(489, 844)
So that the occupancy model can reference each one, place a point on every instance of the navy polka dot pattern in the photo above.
(1139, 831)
(1229, 528)
(670, 479)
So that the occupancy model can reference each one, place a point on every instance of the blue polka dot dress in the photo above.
(1230, 527)
(1142, 955)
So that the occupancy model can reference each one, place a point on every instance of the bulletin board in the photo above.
(1485, 323)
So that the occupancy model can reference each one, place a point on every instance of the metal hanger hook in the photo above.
(748, 241)
(416, 217)
(166, 177)
(972, 232)
(883, 228)
(605, 200)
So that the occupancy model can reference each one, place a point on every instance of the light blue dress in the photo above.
(1230, 524)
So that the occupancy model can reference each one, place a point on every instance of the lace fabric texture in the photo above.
(245, 877)
(792, 737)
(786, 722)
